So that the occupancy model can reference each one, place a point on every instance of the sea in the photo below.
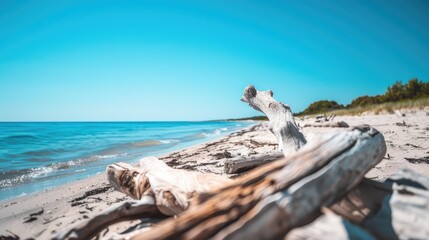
(35, 156)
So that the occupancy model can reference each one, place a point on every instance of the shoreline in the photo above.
(60, 205)
(160, 156)
(65, 172)
(407, 147)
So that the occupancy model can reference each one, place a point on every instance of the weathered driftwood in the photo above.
(171, 188)
(281, 195)
(329, 226)
(241, 164)
(127, 210)
(399, 113)
(282, 122)
(322, 118)
(282, 125)
(327, 124)
(323, 121)
(404, 213)
(159, 191)
(395, 209)
(362, 201)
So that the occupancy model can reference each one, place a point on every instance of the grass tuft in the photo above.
(389, 107)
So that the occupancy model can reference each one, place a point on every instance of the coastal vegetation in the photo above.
(412, 94)
(321, 107)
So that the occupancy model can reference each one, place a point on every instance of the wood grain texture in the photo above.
(282, 122)
(281, 195)
(127, 210)
(404, 213)
(158, 189)
(241, 164)
(362, 201)
(339, 124)
(329, 226)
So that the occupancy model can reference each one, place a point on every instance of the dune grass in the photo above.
(389, 107)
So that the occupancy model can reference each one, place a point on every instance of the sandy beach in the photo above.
(42, 214)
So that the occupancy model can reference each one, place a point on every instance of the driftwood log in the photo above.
(127, 210)
(329, 226)
(328, 124)
(281, 195)
(286, 193)
(282, 125)
(395, 209)
(323, 121)
(172, 188)
(159, 190)
(242, 164)
(282, 122)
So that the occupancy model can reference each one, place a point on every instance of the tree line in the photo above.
(413, 89)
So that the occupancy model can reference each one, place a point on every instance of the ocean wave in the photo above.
(54, 152)
(43, 152)
(122, 149)
(18, 139)
(16, 177)
(217, 131)
(13, 178)
(38, 159)
(195, 136)
(84, 160)
(109, 156)
(21, 136)
(125, 150)
(167, 141)
(145, 143)
(42, 155)
(205, 134)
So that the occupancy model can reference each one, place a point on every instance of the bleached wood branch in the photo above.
(281, 195)
(241, 164)
(282, 122)
(327, 124)
(172, 188)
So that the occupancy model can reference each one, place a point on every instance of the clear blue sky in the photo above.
(191, 60)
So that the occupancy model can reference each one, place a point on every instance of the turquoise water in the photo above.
(38, 156)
